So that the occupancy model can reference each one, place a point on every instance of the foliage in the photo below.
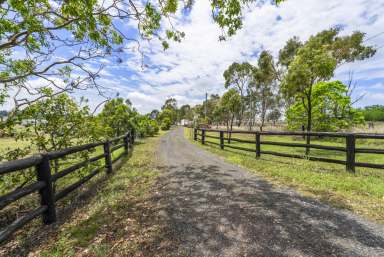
(331, 109)
(146, 126)
(56, 123)
(185, 112)
(316, 60)
(169, 111)
(239, 76)
(231, 105)
(166, 123)
(274, 115)
(51, 124)
(373, 113)
(116, 117)
(36, 34)
(264, 88)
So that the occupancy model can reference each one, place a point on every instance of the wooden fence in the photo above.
(45, 179)
(349, 149)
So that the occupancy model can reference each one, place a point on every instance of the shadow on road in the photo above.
(214, 211)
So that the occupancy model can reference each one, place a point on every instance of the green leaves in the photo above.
(331, 109)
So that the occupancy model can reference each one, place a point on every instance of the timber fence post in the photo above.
(46, 193)
(258, 151)
(222, 139)
(108, 157)
(350, 156)
(195, 134)
(203, 136)
(126, 143)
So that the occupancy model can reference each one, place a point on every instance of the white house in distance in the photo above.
(185, 122)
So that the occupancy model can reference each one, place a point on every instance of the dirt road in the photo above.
(213, 208)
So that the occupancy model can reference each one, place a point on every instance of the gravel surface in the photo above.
(213, 208)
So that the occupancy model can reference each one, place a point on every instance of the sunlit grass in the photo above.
(108, 223)
(362, 192)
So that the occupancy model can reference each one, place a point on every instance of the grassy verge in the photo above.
(362, 192)
(116, 220)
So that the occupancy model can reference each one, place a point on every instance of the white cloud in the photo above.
(194, 66)
(189, 69)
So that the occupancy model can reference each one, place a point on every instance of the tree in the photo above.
(35, 34)
(239, 76)
(146, 126)
(231, 105)
(274, 115)
(185, 112)
(315, 61)
(117, 117)
(166, 123)
(373, 113)
(169, 110)
(331, 109)
(57, 123)
(265, 85)
(154, 114)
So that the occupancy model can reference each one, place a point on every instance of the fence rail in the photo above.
(350, 149)
(45, 179)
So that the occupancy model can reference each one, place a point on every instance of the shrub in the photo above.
(166, 124)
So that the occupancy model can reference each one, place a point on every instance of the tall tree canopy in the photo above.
(239, 76)
(315, 61)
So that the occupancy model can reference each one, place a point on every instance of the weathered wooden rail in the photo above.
(45, 179)
(349, 149)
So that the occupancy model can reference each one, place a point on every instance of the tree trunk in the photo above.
(309, 121)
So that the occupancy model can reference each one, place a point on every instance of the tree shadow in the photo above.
(215, 211)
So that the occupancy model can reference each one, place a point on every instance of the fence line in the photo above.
(45, 179)
(349, 149)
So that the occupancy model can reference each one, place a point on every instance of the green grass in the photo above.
(113, 219)
(362, 192)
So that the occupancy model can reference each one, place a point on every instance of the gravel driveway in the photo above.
(213, 208)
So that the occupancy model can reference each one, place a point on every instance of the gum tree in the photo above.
(239, 76)
(316, 61)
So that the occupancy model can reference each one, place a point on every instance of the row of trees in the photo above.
(373, 113)
(296, 84)
(59, 122)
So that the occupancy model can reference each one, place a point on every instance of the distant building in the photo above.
(185, 122)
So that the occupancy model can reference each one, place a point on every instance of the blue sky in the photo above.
(189, 69)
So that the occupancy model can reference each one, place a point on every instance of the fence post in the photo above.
(258, 151)
(229, 134)
(126, 143)
(132, 137)
(222, 139)
(203, 136)
(108, 157)
(46, 193)
(195, 134)
(350, 147)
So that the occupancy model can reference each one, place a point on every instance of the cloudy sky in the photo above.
(189, 69)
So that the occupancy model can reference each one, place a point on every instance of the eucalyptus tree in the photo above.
(239, 76)
(315, 61)
(230, 103)
(265, 85)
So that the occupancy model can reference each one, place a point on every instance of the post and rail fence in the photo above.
(45, 179)
(349, 149)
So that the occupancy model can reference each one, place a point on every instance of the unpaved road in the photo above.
(213, 208)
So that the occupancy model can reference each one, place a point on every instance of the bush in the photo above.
(166, 124)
